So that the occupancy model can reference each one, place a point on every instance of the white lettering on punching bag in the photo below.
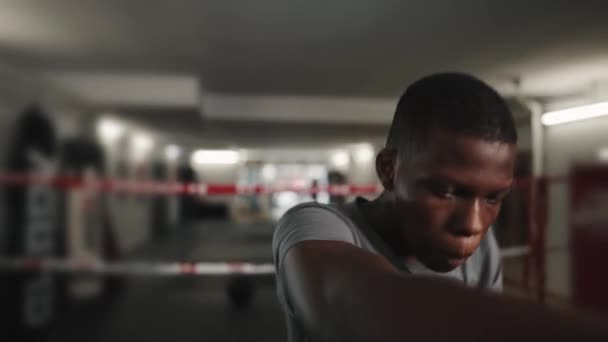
(40, 229)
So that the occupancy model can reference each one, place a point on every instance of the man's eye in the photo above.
(443, 192)
(493, 200)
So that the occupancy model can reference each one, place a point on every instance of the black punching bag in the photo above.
(30, 227)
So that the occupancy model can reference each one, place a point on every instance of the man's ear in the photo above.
(386, 162)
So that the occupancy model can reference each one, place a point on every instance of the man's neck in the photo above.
(381, 216)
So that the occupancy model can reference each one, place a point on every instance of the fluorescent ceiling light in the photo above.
(142, 143)
(575, 114)
(364, 153)
(109, 130)
(340, 159)
(172, 152)
(201, 157)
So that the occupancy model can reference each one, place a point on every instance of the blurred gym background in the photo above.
(293, 95)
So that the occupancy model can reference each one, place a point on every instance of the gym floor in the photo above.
(187, 308)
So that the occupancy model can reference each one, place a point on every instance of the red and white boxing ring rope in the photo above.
(33, 265)
(136, 268)
(533, 251)
(151, 187)
(176, 188)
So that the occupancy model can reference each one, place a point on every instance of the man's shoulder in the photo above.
(310, 221)
(312, 208)
(314, 215)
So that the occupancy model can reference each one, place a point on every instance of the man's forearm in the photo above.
(393, 307)
(340, 293)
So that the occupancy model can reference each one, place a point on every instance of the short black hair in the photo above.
(457, 102)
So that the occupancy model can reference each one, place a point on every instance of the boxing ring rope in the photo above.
(137, 268)
(535, 189)
(176, 188)
(142, 268)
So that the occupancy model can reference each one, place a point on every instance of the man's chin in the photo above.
(444, 265)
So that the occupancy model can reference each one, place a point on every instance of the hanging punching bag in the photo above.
(30, 226)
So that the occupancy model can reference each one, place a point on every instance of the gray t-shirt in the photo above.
(313, 221)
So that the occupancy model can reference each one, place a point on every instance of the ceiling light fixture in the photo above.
(202, 157)
(110, 130)
(172, 152)
(340, 159)
(575, 114)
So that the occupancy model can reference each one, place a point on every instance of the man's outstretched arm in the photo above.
(339, 292)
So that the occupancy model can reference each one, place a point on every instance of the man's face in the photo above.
(449, 194)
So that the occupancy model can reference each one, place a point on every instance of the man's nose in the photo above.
(471, 218)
